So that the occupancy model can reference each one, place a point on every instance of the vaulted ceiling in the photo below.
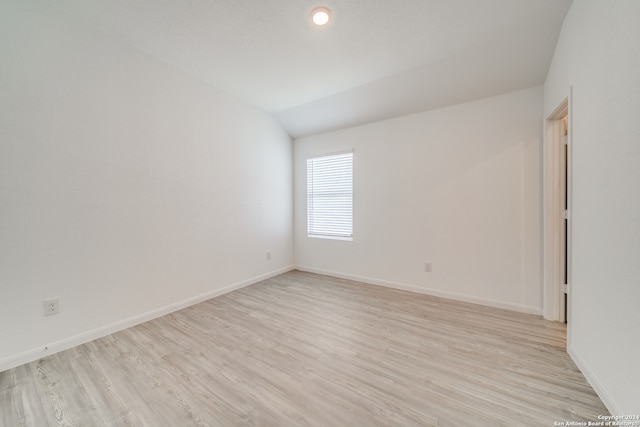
(376, 59)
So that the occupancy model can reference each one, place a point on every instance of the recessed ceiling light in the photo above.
(320, 16)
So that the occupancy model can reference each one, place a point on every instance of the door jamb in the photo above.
(553, 222)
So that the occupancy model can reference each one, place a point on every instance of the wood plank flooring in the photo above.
(307, 350)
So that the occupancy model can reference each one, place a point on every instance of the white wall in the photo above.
(127, 188)
(598, 57)
(458, 187)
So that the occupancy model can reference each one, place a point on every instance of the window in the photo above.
(330, 196)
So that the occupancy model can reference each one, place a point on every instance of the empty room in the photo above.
(319, 213)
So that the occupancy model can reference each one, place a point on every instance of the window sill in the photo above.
(318, 236)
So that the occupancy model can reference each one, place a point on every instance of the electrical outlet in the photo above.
(427, 267)
(268, 256)
(51, 306)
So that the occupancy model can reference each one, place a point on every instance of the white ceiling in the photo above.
(377, 59)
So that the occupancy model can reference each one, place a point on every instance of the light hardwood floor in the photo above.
(307, 350)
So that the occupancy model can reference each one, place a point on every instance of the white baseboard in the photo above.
(67, 343)
(52, 348)
(597, 386)
(428, 291)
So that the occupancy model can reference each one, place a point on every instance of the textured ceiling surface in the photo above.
(377, 59)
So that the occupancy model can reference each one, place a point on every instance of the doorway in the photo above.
(564, 212)
(557, 225)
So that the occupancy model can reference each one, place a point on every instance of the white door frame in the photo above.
(553, 205)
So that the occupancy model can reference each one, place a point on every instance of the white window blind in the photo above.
(330, 196)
